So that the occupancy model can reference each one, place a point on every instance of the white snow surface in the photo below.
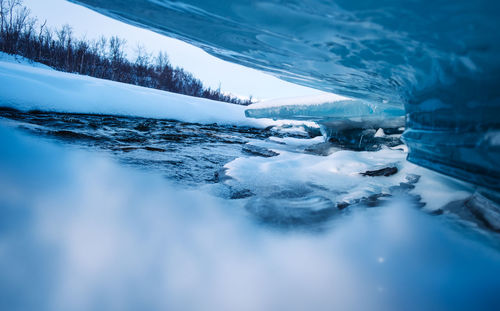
(25, 86)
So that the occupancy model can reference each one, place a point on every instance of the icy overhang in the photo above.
(377, 50)
(436, 58)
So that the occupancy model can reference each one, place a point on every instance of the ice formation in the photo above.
(331, 111)
(437, 59)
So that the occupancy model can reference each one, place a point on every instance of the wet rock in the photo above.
(412, 178)
(362, 139)
(394, 131)
(156, 149)
(258, 151)
(240, 194)
(221, 175)
(401, 188)
(322, 149)
(370, 201)
(342, 205)
(127, 149)
(312, 131)
(387, 171)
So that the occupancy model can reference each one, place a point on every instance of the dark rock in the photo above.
(148, 148)
(412, 178)
(312, 131)
(387, 171)
(259, 151)
(241, 194)
(360, 139)
(322, 149)
(342, 205)
(392, 131)
(401, 188)
(221, 175)
(127, 149)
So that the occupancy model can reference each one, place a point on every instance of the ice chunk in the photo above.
(380, 133)
(336, 177)
(331, 111)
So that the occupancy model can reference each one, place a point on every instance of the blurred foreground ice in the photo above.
(78, 232)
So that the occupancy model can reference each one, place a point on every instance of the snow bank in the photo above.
(31, 86)
(17, 59)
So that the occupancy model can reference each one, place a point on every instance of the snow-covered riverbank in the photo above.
(31, 86)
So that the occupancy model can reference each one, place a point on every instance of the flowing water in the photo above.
(189, 154)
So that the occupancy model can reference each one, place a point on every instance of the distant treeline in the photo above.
(104, 58)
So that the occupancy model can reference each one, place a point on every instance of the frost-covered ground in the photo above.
(288, 221)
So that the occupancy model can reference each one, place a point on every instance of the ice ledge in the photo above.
(331, 111)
